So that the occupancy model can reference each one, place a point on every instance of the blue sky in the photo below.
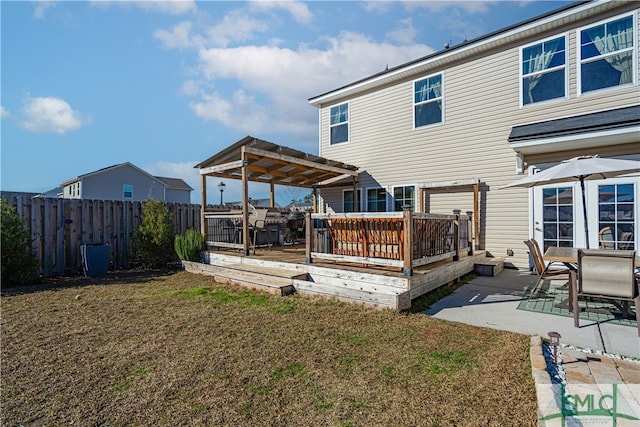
(165, 85)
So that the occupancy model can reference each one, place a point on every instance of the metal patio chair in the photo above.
(608, 275)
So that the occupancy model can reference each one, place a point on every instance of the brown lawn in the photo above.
(181, 349)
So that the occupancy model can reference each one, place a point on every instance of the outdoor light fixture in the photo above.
(221, 187)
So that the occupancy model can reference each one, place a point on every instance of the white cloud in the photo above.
(236, 26)
(41, 7)
(50, 115)
(179, 37)
(406, 34)
(276, 82)
(162, 6)
(298, 10)
(439, 6)
(4, 112)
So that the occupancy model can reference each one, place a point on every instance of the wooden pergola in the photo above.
(253, 159)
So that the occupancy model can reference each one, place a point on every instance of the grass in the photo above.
(180, 349)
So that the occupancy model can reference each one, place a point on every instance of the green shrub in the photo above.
(154, 237)
(189, 246)
(19, 264)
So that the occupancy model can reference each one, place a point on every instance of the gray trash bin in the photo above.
(95, 259)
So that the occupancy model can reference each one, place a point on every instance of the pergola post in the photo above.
(203, 202)
(272, 195)
(245, 203)
(315, 199)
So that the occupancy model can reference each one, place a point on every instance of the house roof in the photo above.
(608, 127)
(271, 163)
(550, 21)
(602, 120)
(175, 183)
(99, 171)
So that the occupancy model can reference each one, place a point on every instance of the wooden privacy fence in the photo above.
(382, 239)
(58, 227)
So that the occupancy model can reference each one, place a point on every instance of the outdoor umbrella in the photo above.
(581, 169)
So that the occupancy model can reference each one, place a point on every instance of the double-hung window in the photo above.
(427, 101)
(403, 196)
(376, 200)
(127, 191)
(607, 54)
(339, 123)
(348, 203)
(544, 71)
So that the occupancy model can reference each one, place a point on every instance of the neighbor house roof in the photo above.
(467, 49)
(175, 183)
(112, 167)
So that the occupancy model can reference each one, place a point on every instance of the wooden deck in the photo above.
(282, 269)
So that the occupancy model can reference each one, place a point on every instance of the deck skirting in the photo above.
(375, 287)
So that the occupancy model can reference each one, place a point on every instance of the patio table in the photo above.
(569, 257)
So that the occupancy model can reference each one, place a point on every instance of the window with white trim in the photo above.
(339, 123)
(348, 204)
(544, 71)
(376, 200)
(427, 101)
(403, 196)
(606, 54)
(127, 191)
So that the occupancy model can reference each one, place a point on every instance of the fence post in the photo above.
(407, 267)
(308, 237)
(471, 232)
(456, 234)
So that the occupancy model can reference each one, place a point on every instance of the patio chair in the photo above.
(606, 238)
(607, 275)
(544, 271)
(260, 226)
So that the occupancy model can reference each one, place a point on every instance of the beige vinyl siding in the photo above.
(481, 105)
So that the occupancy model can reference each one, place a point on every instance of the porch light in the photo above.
(221, 187)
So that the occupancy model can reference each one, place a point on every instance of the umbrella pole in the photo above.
(584, 211)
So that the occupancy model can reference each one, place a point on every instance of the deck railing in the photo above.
(379, 238)
(382, 238)
(224, 230)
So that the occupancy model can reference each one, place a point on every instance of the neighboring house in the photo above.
(126, 182)
(489, 111)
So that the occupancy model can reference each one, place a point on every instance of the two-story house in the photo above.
(489, 111)
(126, 181)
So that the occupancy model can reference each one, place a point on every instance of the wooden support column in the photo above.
(407, 267)
(272, 196)
(456, 234)
(356, 202)
(245, 203)
(315, 200)
(476, 215)
(203, 201)
(308, 236)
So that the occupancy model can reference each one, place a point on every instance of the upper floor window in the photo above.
(544, 71)
(339, 123)
(127, 191)
(606, 54)
(403, 196)
(427, 100)
(376, 200)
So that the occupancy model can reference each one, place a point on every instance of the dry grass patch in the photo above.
(180, 349)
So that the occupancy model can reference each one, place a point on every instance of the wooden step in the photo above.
(489, 267)
(270, 280)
